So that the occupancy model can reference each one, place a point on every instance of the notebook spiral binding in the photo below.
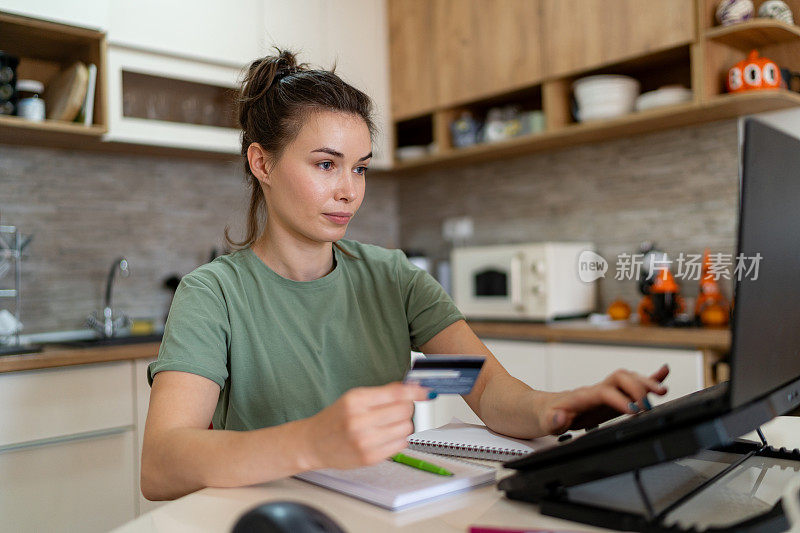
(477, 452)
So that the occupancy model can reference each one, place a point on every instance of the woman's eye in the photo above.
(325, 165)
(361, 171)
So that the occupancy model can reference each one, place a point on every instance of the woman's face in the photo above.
(317, 185)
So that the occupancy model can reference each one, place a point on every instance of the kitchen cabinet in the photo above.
(67, 445)
(485, 47)
(584, 34)
(575, 365)
(146, 108)
(204, 30)
(351, 34)
(413, 65)
(84, 13)
(85, 484)
(446, 52)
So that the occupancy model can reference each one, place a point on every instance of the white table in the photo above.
(218, 509)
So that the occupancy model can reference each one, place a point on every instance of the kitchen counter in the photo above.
(716, 340)
(711, 340)
(55, 356)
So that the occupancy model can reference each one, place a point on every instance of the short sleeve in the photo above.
(196, 334)
(429, 308)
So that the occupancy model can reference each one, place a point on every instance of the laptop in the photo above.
(765, 348)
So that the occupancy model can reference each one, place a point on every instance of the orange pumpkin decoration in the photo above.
(753, 73)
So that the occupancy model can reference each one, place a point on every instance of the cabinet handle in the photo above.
(65, 438)
(516, 282)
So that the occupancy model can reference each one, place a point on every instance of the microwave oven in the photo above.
(537, 281)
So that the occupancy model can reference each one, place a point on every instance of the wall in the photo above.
(677, 187)
(164, 214)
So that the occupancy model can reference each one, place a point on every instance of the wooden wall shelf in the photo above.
(12, 126)
(716, 108)
(754, 34)
(44, 49)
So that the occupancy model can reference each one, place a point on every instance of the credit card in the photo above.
(446, 374)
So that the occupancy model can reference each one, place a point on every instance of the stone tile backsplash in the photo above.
(163, 214)
(677, 187)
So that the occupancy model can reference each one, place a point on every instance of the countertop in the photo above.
(716, 340)
(55, 356)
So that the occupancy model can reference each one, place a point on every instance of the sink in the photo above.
(20, 349)
(110, 341)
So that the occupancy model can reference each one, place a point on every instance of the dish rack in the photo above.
(11, 245)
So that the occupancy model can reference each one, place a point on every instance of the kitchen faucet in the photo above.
(109, 325)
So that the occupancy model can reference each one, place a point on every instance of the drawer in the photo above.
(43, 404)
(84, 485)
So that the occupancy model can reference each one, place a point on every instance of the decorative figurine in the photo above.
(753, 73)
(734, 11)
(776, 9)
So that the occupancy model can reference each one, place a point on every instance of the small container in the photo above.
(30, 105)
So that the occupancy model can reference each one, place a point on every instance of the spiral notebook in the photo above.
(474, 440)
(397, 486)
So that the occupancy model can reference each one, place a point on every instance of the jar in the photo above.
(30, 104)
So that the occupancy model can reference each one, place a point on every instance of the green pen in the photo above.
(419, 463)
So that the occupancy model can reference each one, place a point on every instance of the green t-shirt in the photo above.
(282, 350)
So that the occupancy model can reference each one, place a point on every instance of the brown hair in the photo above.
(276, 97)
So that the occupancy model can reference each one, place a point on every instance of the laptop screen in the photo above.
(766, 318)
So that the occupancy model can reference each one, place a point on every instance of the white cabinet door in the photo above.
(82, 485)
(91, 14)
(575, 365)
(223, 32)
(55, 402)
(161, 132)
(525, 360)
(354, 35)
(142, 404)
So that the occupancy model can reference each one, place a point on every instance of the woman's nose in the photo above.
(346, 189)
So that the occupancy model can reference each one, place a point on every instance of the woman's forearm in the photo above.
(182, 460)
(510, 407)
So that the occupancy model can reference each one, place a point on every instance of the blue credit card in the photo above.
(446, 374)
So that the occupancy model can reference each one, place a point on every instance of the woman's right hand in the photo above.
(364, 426)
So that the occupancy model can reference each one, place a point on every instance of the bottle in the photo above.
(30, 105)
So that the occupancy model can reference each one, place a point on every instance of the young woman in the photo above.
(294, 346)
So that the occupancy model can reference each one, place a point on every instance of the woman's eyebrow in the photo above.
(336, 153)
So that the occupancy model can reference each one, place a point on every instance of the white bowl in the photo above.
(605, 96)
(668, 95)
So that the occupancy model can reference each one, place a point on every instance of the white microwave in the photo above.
(537, 281)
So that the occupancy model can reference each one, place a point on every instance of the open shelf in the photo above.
(755, 33)
(44, 49)
(717, 108)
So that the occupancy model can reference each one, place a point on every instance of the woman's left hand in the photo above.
(588, 406)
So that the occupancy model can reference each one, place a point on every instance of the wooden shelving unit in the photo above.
(700, 65)
(718, 108)
(44, 48)
(754, 34)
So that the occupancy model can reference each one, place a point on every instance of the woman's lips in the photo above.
(338, 218)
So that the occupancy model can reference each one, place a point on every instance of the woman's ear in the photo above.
(260, 162)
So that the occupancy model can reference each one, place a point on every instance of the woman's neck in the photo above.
(292, 258)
